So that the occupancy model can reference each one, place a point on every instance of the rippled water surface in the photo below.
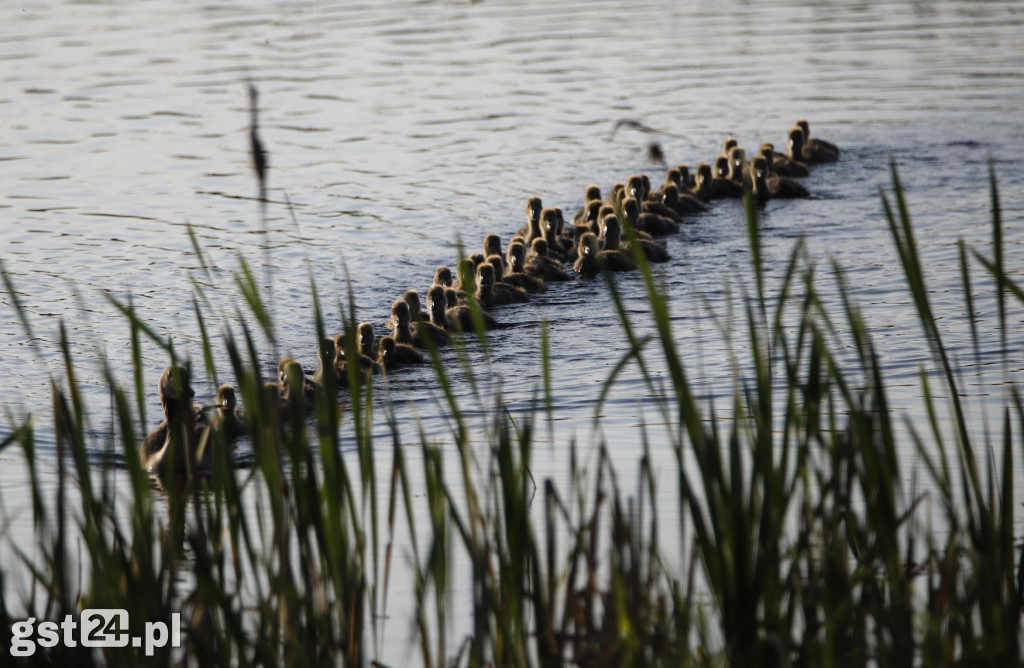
(395, 129)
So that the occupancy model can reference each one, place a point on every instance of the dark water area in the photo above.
(396, 130)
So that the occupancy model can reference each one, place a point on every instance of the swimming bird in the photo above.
(443, 276)
(462, 318)
(273, 406)
(825, 150)
(767, 186)
(606, 210)
(613, 257)
(646, 180)
(178, 443)
(325, 355)
(539, 265)
(782, 164)
(549, 228)
(427, 332)
(800, 150)
(562, 235)
(739, 168)
(672, 175)
(227, 419)
(532, 229)
(485, 286)
(589, 220)
(401, 323)
(516, 256)
(342, 359)
(491, 293)
(492, 246)
(294, 384)
(654, 251)
(465, 274)
(518, 281)
(721, 167)
(412, 298)
(418, 334)
(682, 203)
(437, 307)
(728, 144)
(586, 263)
(651, 223)
(516, 239)
(655, 154)
(650, 202)
(391, 355)
(702, 189)
(709, 187)
(368, 338)
(616, 193)
(591, 194)
(759, 180)
(635, 187)
(687, 180)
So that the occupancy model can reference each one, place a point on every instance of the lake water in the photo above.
(396, 129)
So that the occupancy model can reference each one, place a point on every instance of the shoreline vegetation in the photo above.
(804, 543)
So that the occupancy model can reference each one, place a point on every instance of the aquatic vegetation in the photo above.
(802, 540)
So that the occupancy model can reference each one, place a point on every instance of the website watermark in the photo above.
(96, 627)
